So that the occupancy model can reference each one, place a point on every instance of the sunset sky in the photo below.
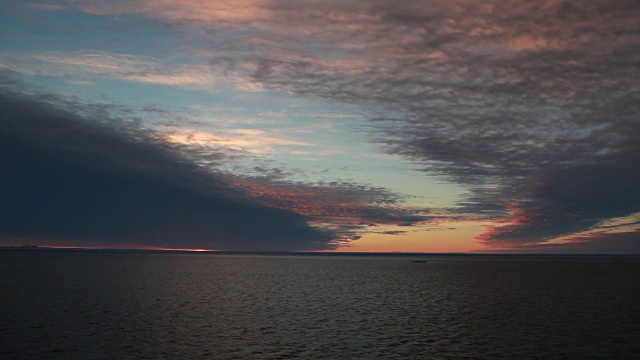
(411, 126)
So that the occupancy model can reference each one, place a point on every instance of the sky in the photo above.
(354, 126)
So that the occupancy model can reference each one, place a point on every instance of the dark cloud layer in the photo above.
(572, 200)
(79, 182)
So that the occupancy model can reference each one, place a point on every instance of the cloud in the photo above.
(604, 243)
(81, 66)
(532, 105)
(392, 232)
(572, 200)
(227, 13)
(247, 140)
(47, 7)
(69, 178)
(347, 209)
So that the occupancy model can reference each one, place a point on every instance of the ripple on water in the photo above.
(128, 306)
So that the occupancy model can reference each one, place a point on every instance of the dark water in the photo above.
(66, 305)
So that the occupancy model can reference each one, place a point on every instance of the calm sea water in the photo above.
(83, 305)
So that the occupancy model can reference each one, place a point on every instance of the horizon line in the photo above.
(287, 252)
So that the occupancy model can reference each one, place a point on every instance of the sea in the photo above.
(119, 305)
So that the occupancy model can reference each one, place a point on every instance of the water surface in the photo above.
(92, 305)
